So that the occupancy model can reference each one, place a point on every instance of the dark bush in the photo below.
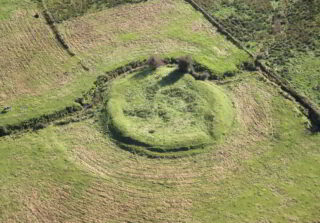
(249, 66)
(39, 126)
(134, 64)
(80, 101)
(4, 131)
(185, 64)
(214, 77)
(154, 62)
(73, 108)
(229, 74)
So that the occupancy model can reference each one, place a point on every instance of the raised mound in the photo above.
(165, 112)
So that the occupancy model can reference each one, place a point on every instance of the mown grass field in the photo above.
(266, 168)
(52, 74)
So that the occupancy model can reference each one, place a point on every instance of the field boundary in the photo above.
(43, 120)
(38, 122)
(95, 94)
(52, 24)
(313, 110)
(220, 27)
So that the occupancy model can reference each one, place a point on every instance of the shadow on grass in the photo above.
(137, 147)
(171, 78)
(109, 128)
(143, 73)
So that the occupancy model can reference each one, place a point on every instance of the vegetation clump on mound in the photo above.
(185, 64)
(165, 112)
(154, 62)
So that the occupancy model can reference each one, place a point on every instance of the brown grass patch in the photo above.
(30, 59)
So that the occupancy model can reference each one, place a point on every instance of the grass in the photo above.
(9, 7)
(64, 10)
(164, 32)
(309, 82)
(168, 111)
(278, 185)
(52, 80)
(27, 169)
(283, 33)
(35, 70)
(265, 170)
(29, 107)
(76, 172)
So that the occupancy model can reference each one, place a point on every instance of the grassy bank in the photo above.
(167, 112)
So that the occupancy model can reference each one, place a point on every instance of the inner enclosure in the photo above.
(165, 110)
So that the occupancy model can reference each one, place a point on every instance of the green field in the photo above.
(157, 145)
(40, 86)
(284, 34)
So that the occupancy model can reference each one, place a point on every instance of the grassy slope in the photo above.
(74, 173)
(285, 33)
(156, 27)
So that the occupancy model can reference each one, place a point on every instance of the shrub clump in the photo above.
(154, 62)
(4, 131)
(39, 126)
(249, 66)
(185, 64)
